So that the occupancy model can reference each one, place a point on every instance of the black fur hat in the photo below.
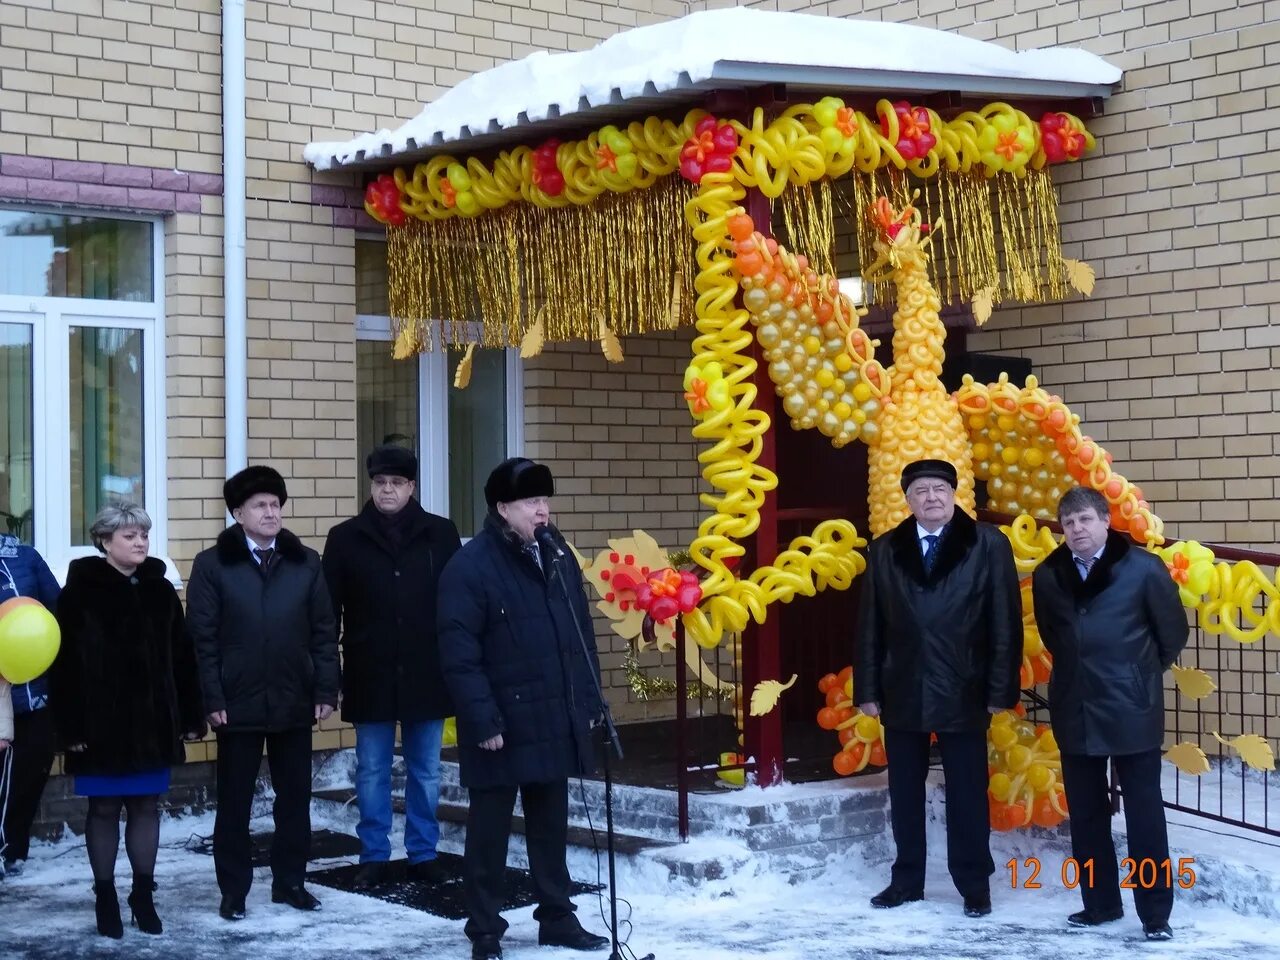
(392, 460)
(253, 480)
(516, 479)
(936, 469)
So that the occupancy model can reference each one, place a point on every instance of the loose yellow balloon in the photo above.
(29, 639)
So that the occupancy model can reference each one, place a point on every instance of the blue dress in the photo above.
(123, 785)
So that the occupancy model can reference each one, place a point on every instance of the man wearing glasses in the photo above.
(383, 567)
(939, 644)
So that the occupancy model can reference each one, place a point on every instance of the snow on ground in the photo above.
(1228, 789)
(47, 913)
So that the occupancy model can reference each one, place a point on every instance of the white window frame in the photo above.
(434, 383)
(50, 319)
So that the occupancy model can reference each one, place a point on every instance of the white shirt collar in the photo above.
(921, 532)
(1101, 550)
(253, 546)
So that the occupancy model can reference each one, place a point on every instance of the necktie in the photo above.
(1085, 566)
(264, 557)
(930, 552)
(532, 550)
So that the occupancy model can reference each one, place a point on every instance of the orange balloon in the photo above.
(827, 719)
(846, 735)
(827, 682)
(15, 602)
(835, 695)
(844, 675)
(856, 750)
(1043, 814)
(1040, 670)
(844, 763)
(1015, 815)
(878, 757)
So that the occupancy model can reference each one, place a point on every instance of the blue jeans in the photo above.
(375, 745)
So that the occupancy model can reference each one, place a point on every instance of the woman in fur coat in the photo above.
(128, 695)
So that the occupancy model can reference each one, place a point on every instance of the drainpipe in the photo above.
(235, 333)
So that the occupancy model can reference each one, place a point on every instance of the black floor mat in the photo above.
(441, 899)
(325, 845)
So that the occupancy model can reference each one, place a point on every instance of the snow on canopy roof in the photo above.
(676, 61)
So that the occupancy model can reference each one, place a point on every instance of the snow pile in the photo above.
(659, 57)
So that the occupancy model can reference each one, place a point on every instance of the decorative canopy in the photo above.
(672, 65)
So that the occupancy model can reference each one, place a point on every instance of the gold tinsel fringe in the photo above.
(625, 259)
(1015, 249)
(809, 224)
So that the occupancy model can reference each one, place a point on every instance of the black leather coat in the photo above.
(1112, 636)
(936, 650)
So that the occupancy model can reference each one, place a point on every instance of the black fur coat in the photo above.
(125, 679)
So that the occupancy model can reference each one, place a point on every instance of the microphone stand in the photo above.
(611, 731)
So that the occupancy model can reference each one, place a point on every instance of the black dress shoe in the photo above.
(977, 906)
(426, 871)
(1157, 930)
(231, 908)
(892, 896)
(486, 948)
(572, 937)
(1094, 918)
(296, 897)
(369, 875)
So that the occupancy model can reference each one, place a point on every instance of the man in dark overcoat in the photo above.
(383, 567)
(259, 613)
(521, 664)
(939, 646)
(1110, 615)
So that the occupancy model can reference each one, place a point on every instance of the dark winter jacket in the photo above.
(936, 650)
(384, 596)
(125, 680)
(267, 645)
(1112, 637)
(514, 664)
(23, 573)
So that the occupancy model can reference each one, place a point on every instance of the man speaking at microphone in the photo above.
(518, 658)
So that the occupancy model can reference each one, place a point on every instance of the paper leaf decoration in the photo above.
(609, 344)
(1193, 683)
(1253, 750)
(1188, 758)
(583, 562)
(982, 305)
(765, 696)
(462, 376)
(1080, 275)
(408, 343)
(534, 338)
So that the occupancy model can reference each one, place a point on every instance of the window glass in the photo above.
(17, 463)
(106, 422)
(386, 404)
(477, 435)
(371, 279)
(57, 255)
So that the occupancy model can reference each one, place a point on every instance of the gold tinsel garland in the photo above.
(646, 687)
(625, 260)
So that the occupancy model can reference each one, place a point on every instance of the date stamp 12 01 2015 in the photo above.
(1145, 874)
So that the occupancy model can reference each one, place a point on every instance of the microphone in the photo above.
(542, 534)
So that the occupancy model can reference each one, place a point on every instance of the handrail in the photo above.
(1220, 551)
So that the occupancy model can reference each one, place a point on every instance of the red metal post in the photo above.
(762, 659)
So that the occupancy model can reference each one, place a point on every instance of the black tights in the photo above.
(141, 835)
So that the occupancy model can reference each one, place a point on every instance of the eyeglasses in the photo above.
(399, 483)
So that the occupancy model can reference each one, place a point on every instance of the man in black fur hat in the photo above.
(383, 567)
(1110, 614)
(513, 618)
(259, 613)
(938, 649)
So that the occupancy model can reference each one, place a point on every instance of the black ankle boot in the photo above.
(142, 907)
(107, 908)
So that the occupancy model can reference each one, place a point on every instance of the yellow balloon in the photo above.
(999, 786)
(1003, 736)
(1018, 757)
(29, 640)
(1039, 776)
